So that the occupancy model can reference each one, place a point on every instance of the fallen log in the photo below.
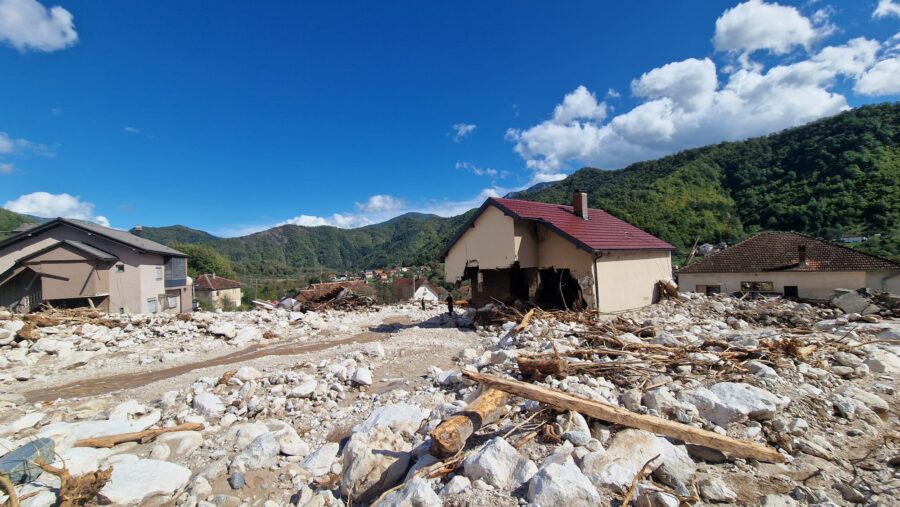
(450, 436)
(137, 436)
(617, 415)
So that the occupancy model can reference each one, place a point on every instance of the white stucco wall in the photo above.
(811, 285)
(490, 243)
(885, 281)
(627, 279)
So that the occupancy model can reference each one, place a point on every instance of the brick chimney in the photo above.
(580, 204)
(138, 231)
(801, 251)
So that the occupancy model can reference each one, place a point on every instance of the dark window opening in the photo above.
(120, 268)
(757, 286)
(713, 289)
(791, 291)
(558, 289)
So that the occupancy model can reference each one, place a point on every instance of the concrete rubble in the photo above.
(339, 408)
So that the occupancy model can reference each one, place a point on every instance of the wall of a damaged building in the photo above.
(489, 243)
(554, 251)
(127, 292)
(810, 284)
(885, 281)
(628, 279)
(66, 274)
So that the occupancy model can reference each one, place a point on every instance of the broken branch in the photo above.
(137, 436)
(617, 415)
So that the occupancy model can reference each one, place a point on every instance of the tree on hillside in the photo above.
(202, 259)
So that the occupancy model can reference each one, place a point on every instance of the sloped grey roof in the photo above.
(123, 237)
(90, 250)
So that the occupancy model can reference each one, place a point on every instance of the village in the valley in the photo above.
(421, 286)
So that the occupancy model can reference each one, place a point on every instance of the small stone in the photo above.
(414, 493)
(580, 438)
(849, 493)
(209, 405)
(714, 490)
(362, 377)
(457, 485)
(160, 451)
(319, 462)
(772, 500)
(237, 480)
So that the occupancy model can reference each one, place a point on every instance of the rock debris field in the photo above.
(273, 408)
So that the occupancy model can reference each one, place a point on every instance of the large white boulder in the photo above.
(373, 463)
(561, 484)
(628, 451)
(398, 417)
(500, 465)
(209, 405)
(414, 493)
(133, 482)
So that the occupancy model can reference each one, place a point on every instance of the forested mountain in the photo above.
(835, 177)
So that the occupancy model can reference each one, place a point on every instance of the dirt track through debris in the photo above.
(113, 383)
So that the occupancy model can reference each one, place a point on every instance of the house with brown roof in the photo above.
(557, 256)
(68, 263)
(213, 291)
(790, 264)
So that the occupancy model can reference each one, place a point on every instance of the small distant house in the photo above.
(557, 256)
(73, 263)
(213, 291)
(790, 264)
(416, 289)
(317, 290)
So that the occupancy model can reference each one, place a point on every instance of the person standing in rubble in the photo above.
(423, 303)
(450, 305)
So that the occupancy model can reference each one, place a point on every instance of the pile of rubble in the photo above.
(718, 400)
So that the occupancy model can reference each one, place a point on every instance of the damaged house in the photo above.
(789, 264)
(557, 256)
(72, 263)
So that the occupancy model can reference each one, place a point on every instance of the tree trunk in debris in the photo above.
(539, 368)
(617, 415)
(450, 436)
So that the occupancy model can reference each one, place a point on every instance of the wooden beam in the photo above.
(618, 415)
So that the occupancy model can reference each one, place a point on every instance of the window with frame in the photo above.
(159, 272)
(152, 306)
(120, 268)
(172, 302)
(757, 286)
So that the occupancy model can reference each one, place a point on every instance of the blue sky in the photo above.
(235, 116)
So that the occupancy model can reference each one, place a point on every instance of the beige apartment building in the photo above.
(789, 264)
(68, 263)
(557, 256)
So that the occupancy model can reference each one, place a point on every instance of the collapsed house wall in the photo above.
(809, 284)
(627, 279)
(66, 274)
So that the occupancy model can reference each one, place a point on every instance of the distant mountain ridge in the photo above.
(836, 176)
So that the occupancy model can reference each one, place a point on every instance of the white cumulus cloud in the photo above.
(380, 203)
(462, 130)
(755, 25)
(881, 79)
(28, 25)
(692, 102)
(6, 168)
(887, 8)
(45, 204)
(482, 171)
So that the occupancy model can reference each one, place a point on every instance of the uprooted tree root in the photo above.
(78, 491)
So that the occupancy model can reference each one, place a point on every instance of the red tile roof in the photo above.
(213, 282)
(601, 231)
(780, 251)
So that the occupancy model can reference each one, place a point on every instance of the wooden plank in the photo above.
(618, 415)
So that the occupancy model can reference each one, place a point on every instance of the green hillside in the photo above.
(9, 221)
(835, 177)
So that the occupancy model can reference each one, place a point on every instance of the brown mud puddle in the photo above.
(104, 385)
